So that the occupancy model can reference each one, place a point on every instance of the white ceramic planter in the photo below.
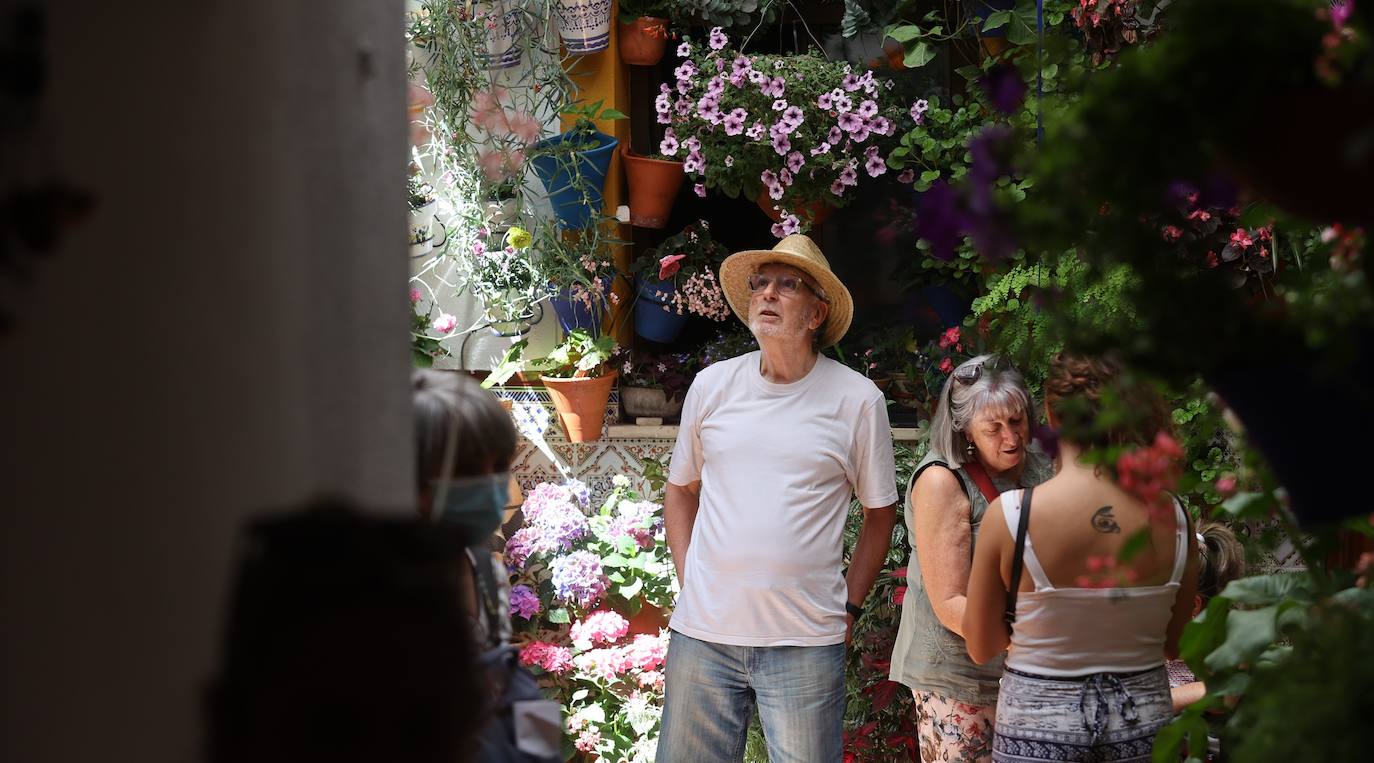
(504, 31)
(584, 25)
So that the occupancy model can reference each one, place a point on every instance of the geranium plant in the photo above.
(688, 261)
(578, 573)
(797, 128)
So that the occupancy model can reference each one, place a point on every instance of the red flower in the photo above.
(670, 265)
(1200, 214)
(1172, 233)
(1241, 238)
(1212, 260)
(946, 365)
(950, 337)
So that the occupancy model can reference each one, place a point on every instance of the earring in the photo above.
(969, 448)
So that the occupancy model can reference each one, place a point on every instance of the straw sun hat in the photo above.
(801, 253)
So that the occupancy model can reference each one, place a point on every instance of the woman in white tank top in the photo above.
(1084, 676)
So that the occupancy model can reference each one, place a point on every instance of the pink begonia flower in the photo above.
(946, 365)
(445, 323)
(1241, 238)
(415, 296)
(1226, 486)
(669, 265)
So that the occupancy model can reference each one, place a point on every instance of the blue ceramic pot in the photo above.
(576, 314)
(574, 180)
(652, 320)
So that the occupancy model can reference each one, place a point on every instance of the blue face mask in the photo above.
(473, 504)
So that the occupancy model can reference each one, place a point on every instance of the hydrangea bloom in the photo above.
(524, 602)
(600, 627)
(578, 577)
(550, 657)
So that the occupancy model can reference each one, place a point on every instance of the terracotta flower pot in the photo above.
(581, 404)
(643, 41)
(649, 619)
(654, 184)
(816, 212)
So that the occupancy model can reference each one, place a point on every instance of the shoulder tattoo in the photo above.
(1104, 522)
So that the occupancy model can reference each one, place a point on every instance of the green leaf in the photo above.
(1249, 505)
(580, 695)
(920, 54)
(1248, 633)
(1205, 632)
(559, 616)
(630, 591)
(996, 20)
(594, 713)
(1232, 685)
(1264, 589)
(903, 32)
(614, 114)
(1021, 30)
(930, 175)
(614, 560)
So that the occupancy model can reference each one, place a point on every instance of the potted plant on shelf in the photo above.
(500, 273)
(579, 376)
(653, 182)
(676, 279)
(422, 203)
(653, 385)
(643, 31)
(573, 165)
(584, 25)
(795, 132)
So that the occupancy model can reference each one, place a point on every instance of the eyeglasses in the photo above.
(787, 284)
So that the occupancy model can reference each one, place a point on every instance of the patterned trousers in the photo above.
(951, 731)
(1101, 717)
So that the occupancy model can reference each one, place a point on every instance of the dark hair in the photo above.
(1075, 389)
(485, 439)
(1221, 558)
(345, 641)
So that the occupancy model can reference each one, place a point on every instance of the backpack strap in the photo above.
(486, 591)
(1017, 557)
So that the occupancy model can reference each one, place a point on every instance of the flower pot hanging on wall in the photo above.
(574, 177)
(643, 41)
(656, 318)
(581, 404)
(582, 310)
(654, 184)
(503, 34)
(584, 25)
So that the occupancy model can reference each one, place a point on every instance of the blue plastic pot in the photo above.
(574, 180)
(575, 314)
(652, 321)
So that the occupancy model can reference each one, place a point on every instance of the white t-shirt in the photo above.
(778, 464)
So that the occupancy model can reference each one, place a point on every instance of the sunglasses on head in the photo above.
(974, 372)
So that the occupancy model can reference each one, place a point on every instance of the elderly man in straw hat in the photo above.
(772, 446)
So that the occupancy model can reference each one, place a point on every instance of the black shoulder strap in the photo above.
(1016, 559)
(486, 590)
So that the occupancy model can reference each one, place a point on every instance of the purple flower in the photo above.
(793, 116)
(685, 71)
(757, 77)
(849, 176)
(843, 103)
(578, 578)
(684, 50)
(918, 110)
(768, 177)
(715, 86)
(861, 134)
(708, 108)
(785, 177)
(940, 221)
(694, 163)
(776, 191)
(868, 109)
(774, 88)
(824, 101)
(734, 121)
(756, 132)
(837, 188)
(781, 144)
(850, 83)
(779, 104)
(834, 136)
(795, 161)
(741, 65)
(699, 190)
(874, 164)
(718, 39)
(882, 126)
(523, 602)
(821, 149)
(849, 122)
(1004, 88)
(907, 176)
(789, 225)
(668, 146)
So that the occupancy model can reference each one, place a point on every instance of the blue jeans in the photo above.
(711, 690)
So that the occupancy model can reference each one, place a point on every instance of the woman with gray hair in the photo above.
(979, 446)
